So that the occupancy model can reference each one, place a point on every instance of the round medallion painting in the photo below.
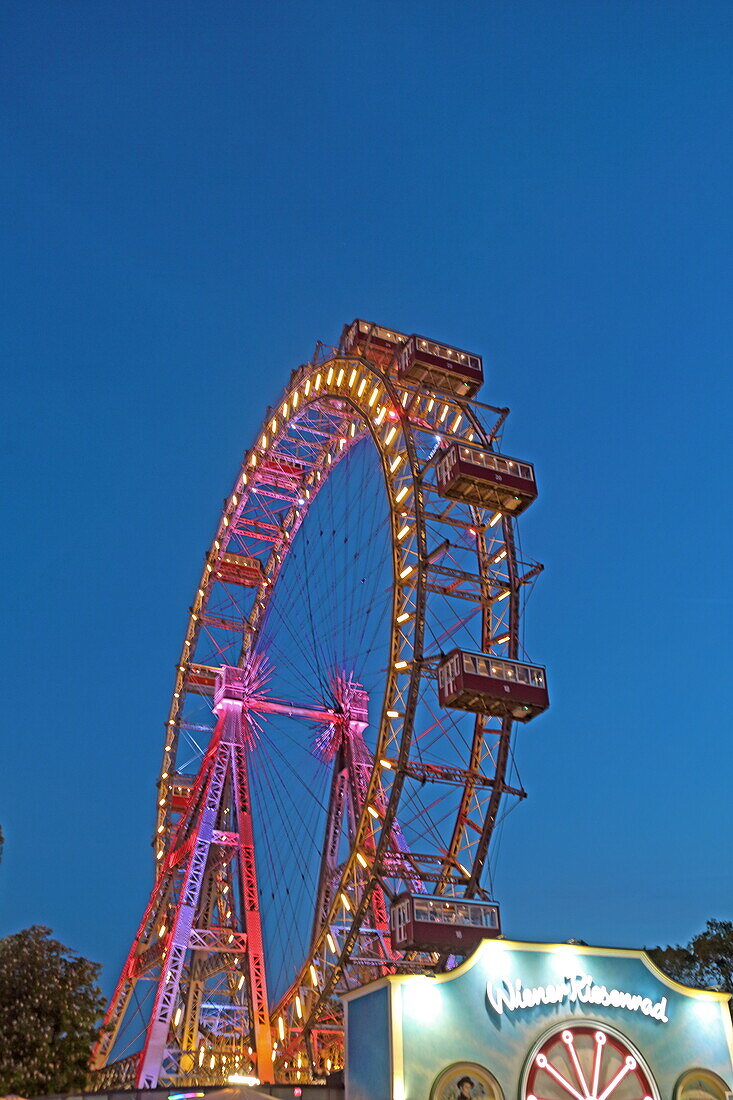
(465, 1081)
(700, 1084)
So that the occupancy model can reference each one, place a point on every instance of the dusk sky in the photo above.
(192, 195)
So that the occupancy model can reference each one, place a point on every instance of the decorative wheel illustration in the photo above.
(587, 1062)
(360, 608)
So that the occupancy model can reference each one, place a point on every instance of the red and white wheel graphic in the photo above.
(587, 1062)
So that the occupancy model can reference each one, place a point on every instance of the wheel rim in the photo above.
(350, 401)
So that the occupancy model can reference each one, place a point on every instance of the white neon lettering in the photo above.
(511, 996)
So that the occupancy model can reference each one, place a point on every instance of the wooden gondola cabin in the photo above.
(371, 341)
(486, 479)
(422, 922)
(484, 684)
(440, 367)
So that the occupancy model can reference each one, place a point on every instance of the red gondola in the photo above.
(486, 479)
(484, 684)
(421, 922)
(441, 367)
(373, 341)
(240, 569)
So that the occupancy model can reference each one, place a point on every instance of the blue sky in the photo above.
(192, 195)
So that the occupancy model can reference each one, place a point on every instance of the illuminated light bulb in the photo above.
(373, 397)
(280, 1027)
(402, 494)
(390, 435)
(159, 855)
(402, 532)
(177, 1017)
(380, 415)
(395, 463)
(386, 764)
(240, 983)
(503, 595)
(495, 519)
(329, 376)
(352, 378)
(499, 557)
(298, 1007)
(443, 414)
(406, 571)
(361, 859)
(400, 664)
(456, 422)
(263, 442)
(345, 901)
(362, 387)
(285, 410)
(372, 811)
(295, 399)
(393, 714)
(317, 383)
(352, 430)
(314, 975)
(340, 377)
(161, 930)
(403, 617)
(307, 387)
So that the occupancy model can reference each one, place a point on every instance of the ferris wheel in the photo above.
(340, 732)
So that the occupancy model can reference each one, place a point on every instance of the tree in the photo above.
(707, 960)
(50, 1006)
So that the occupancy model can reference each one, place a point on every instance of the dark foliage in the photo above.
(50, 1006)
(705, 962)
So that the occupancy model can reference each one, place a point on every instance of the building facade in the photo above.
(532, 1021)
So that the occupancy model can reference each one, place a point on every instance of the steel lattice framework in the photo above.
(413, 792)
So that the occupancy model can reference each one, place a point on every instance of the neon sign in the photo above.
(511, 996)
